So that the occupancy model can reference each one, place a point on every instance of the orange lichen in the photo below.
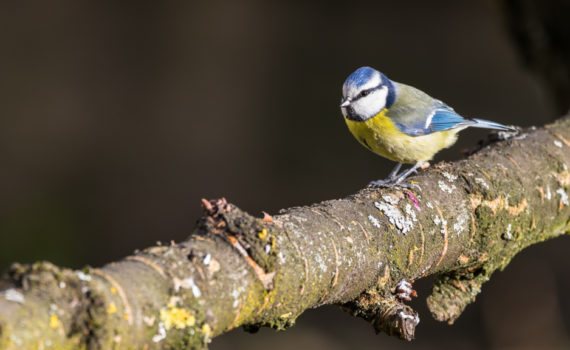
(267, 218)
(459, 286)
(499, 203)
(563, 178)
(410, 258)
(541, 191)
(463, 259)
(517, 209)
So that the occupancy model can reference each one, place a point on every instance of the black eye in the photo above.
(365, 93)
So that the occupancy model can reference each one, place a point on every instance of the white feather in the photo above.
(429, 118)
(372, 104)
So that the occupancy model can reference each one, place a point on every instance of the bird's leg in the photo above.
(394, 172)
(394, 179)
(407, 173)
(387, 181)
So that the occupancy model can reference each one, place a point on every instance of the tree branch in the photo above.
(469, 219)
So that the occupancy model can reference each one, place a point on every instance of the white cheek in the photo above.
(372, 104)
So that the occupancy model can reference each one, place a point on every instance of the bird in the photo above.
(400, 122)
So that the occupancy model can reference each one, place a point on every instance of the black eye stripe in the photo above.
(367, 92)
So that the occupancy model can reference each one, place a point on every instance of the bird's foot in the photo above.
(387, 183)
(404, 290)
(382, 183)
(395, 179)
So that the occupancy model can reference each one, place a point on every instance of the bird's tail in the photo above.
(486, 124)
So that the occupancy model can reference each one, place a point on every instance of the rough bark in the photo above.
(468, 220)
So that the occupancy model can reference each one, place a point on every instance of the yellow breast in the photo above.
(381, 136)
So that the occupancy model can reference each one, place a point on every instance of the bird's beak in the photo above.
(345, 103)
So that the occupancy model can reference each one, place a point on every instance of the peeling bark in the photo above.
(468, 220)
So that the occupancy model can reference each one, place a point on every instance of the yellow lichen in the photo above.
(54, 321)
(206, 329)
(112, 308)
(176, 317)
(262, 234)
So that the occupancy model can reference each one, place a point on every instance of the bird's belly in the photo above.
(382, 137)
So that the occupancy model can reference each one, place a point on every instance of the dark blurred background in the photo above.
(117, 117)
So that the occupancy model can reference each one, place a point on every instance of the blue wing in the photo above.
(415, 113)
(445, 119)
(439, 119)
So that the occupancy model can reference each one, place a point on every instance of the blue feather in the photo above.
(360, 76)
(443, 118)
(487, 124)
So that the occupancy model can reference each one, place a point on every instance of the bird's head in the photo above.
(365, 93)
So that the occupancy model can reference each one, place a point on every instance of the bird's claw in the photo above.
(387, 183)
(381, 183)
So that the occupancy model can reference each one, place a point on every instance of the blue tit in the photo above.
(400, 122)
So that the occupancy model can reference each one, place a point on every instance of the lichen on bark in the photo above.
(468, 219)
